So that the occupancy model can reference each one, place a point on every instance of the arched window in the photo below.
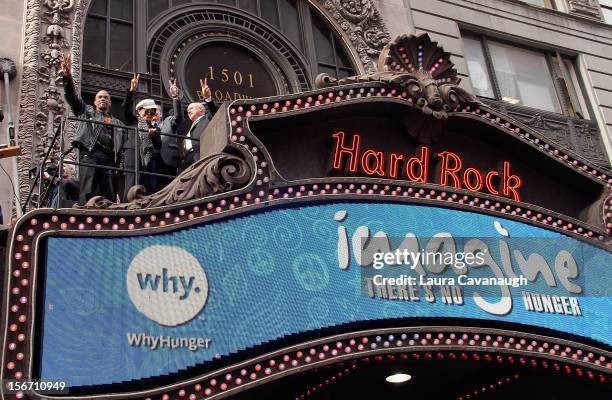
(108, 36)
(112, 27)
(295, 19)
(331, 57)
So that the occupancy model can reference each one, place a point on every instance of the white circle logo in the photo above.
(167, 284)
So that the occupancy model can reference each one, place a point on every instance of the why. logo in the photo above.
(167, 284)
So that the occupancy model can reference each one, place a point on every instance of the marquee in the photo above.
(156, 305)
(264, 258)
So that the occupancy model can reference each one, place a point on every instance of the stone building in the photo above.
(542, 61)
(348, 132)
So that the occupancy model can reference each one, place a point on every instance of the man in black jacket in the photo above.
(98, 145)
(199, 114)
(169, 157)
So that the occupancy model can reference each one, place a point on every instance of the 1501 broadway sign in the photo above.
(159, 304)
(232, 72)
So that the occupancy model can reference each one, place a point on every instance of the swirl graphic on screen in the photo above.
(167, 284)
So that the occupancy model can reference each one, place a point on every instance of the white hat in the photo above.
(146, 104)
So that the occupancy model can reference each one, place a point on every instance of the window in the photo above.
(155, 7)
(606, 10)
(521, 76)
(541, 3)
(295, 19)
(115, 33)
(477, 67)
(108, 34)
(331, 58)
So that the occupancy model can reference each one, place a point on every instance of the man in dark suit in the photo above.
(169, 159)
(199, 114)
(98, 145)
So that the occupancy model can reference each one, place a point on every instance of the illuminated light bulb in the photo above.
(398, 378)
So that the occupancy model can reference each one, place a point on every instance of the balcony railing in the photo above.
(57, 144)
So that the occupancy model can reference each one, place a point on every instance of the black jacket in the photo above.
(131, 119)
(198, 129)
(87, 133)
(147, 143)
(170, 145)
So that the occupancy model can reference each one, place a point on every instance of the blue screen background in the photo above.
(270, 274)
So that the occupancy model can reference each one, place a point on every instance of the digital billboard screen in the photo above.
(122, 309)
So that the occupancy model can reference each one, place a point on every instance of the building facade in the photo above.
(348, 132)
(541, 61)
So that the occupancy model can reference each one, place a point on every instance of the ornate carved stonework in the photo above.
(580, 136)
(557, 131)
(362, 23)
(51, 102)
(213, 175)
(42, 101)
(29, 90)
(420, 67)
(585, 8)
(588, 141)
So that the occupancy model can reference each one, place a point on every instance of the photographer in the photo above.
(69, 187)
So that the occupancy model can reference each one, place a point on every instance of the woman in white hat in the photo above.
(149, 140)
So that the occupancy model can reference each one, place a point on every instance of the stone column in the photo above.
(46, 33)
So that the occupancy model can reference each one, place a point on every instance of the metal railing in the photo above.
(59, 133)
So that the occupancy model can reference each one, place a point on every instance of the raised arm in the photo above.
(179, 116)
(209, 102)
(77, 105)
(126, 107)
(128, 104)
